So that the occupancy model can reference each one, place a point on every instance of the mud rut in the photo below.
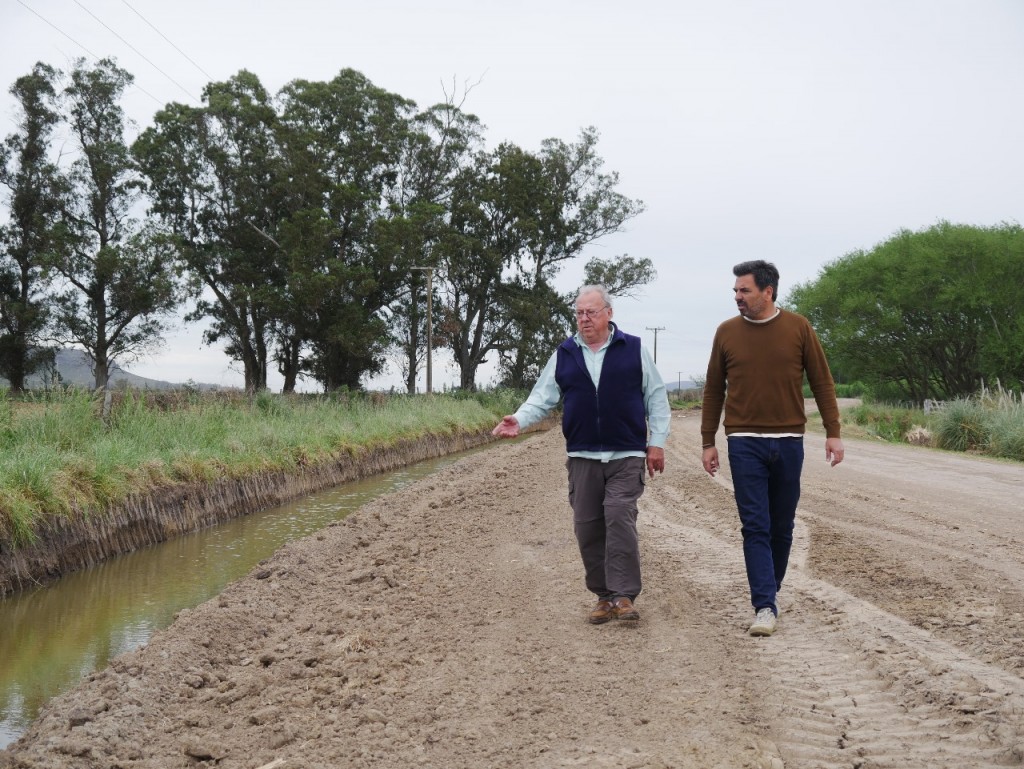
(443, 626)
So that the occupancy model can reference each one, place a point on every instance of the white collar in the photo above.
(765, 320)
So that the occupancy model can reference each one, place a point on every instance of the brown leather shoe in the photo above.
(623, 608)
(602, 612)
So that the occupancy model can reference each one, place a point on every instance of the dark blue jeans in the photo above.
(766, 480)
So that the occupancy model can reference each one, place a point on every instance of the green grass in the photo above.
(59, 458)
(890, 423)
(962, 426)
(990, 423)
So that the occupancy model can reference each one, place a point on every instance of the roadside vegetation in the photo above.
(60, 457)
(989, 423)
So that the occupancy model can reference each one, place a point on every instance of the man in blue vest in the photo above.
(612, 393)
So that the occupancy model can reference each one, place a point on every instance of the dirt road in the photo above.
(444, 626)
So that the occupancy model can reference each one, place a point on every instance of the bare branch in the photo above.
(261, 232)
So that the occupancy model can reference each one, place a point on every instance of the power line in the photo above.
(94, 56)
(176, 48)
(47, 21)
(140, 53)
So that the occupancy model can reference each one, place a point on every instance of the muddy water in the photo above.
(52, 636)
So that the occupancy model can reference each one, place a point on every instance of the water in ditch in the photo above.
(52, 636)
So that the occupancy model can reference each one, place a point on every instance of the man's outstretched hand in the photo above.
(508, 427)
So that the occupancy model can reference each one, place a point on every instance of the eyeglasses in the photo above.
(581, 314)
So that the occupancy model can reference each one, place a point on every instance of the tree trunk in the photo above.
(100, 371)
(289, 354)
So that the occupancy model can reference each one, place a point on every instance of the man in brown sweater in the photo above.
(761, 358)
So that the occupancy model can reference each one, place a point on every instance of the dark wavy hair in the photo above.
(765, 274)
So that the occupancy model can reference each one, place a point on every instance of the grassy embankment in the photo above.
(990, 423)
(59, 458)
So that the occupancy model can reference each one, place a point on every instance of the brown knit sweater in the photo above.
(763, 365)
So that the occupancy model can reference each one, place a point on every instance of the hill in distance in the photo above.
(75, 368)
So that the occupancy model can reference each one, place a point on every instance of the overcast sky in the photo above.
(793, 131)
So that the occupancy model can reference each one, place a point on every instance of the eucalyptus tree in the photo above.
(408, 322)
(215, 179)
(438, 146)
(33, 201)
(479, 248)
(575, 203)
(521, 217)
(540, 318)
(117, 276)
(343, 140)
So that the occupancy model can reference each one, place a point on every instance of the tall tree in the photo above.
(118, 277)
(408, 237)
(925, 314)
(438, 146)
(215, 176)
(482, 242)
(521, 217)
(578, 204)
(343, 140)
(520, 367)
(539, 320)
(34, 204)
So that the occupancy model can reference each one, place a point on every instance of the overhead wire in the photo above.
(47, 21)
(169, 42)
(140, 53)
(94, 56)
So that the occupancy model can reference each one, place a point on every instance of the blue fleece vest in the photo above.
(610, 417)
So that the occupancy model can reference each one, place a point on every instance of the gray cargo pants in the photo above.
(603, 497)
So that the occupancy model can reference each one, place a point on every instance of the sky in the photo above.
(796, 131)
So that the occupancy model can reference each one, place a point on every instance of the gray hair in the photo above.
(596, 288)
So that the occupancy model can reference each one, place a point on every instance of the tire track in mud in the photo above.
(445, 625)
(847, 684)
(1003, 563)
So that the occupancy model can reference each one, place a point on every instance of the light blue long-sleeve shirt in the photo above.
(546, 394)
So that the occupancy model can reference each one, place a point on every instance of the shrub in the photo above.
(1006, 423)
(963, 425)
(1007, 439)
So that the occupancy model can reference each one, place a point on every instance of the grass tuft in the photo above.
(963, 425)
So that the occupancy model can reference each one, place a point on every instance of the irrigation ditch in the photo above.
(66, 545)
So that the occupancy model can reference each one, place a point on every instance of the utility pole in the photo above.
(679, 387)
(656, 329)
(430, 322)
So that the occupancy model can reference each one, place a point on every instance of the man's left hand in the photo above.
(655, 460)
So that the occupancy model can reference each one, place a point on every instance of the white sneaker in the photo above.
(764, 623)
